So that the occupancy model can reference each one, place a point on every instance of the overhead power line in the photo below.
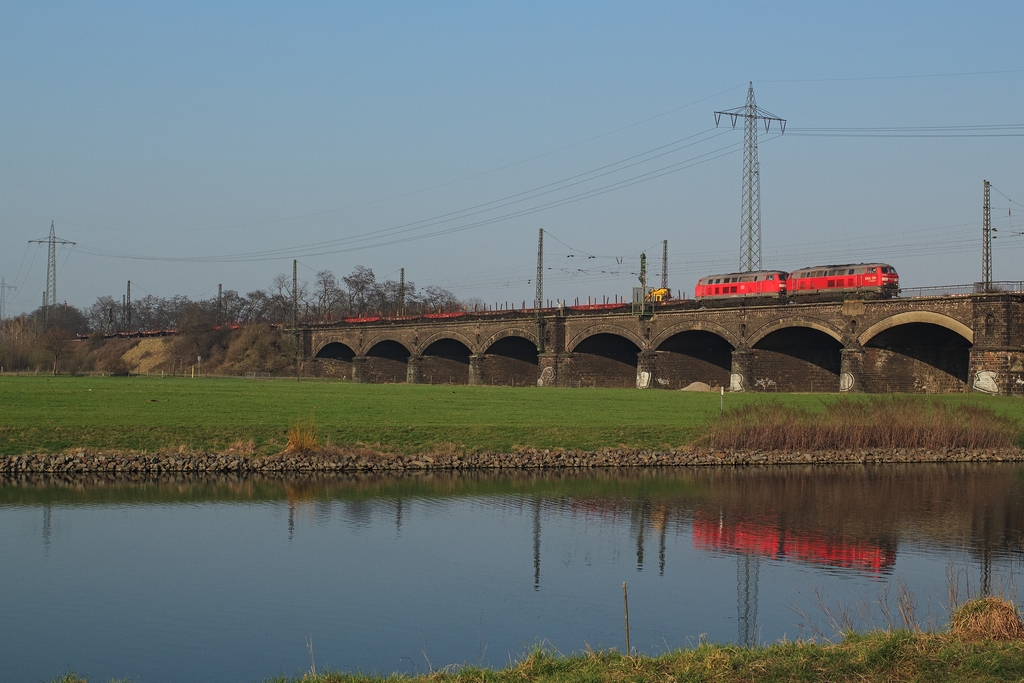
(399, 234)
(986, 131)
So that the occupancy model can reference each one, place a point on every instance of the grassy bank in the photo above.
(881, 656)
(52, 414)
(892, 657)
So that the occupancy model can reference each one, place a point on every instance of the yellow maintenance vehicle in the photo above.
(660, 294)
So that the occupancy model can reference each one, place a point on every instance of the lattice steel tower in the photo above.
(986, 241)
(750, 219)
(50, 296)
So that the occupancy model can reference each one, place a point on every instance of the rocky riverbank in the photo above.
(338, 460)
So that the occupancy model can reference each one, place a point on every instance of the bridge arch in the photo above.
(387, 362)
(929, 317)
(383, 337)
(797, 321)
(525, 333)
(689, 353)
(450, 334)
(509, 360)
(334, 350)
(445, 360)
(797, 354)
(917, 352)
(695, 326)
(333, 359)
(605, 359)
(604, 328)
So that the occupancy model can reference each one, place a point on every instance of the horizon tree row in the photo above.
(326, 299)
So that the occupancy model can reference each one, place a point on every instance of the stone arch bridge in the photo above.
(924, 345)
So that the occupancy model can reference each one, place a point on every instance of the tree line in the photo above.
(39, 339)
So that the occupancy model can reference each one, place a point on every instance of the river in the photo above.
(242, 579)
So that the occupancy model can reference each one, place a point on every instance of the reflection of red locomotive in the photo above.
(769, 540)
(867, 280)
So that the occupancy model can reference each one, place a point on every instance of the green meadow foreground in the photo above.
(51, 414)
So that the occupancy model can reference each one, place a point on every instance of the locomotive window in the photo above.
(885, 270)
(769, 277)
(782, 276)
(755, 278)
(872, 270)
(851, 272)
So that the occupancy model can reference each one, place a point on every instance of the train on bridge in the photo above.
(818, 283)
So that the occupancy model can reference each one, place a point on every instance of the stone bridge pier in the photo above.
(921, 345)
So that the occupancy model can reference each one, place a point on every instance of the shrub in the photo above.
(302, 436)
(893, 422)
(988, 618)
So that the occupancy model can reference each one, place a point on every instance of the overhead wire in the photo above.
(456, 181)
(341, 245)
(473, 210)
(984, 131)
(1004, 196)
(894, 78)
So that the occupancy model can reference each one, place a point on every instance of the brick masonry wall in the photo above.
(441, 370)
(677, 370)
(916, 358)
(329, 367)
(499, 370)
(915, 370)
(796, 359)
(593, 370)
(811, 371)
(380, 370)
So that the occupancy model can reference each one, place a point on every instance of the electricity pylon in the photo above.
(4, 288)
(50, 297)
(986, 241)
(750, 220)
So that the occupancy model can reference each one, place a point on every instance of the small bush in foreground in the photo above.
(302, 436)
(865, 423)
(989, 618)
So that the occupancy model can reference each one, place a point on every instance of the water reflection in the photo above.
(847, 517)
(452, 556)
(764, 538)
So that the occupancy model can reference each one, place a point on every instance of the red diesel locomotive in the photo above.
(761, 283)
(867, 280)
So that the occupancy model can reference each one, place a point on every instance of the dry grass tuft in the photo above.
(446, 448)
(990, 618)
(243, 447)
(889, 423)
(302, 436)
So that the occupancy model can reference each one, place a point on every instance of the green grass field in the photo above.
(51, 414)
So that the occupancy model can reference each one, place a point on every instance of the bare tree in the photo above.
(56, 341)
(361, 283)
(328, 297)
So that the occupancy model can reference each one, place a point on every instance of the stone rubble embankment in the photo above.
(526, 459)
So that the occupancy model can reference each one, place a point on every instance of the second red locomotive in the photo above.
(866, 280)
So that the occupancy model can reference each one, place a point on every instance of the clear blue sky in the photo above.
(196, 130)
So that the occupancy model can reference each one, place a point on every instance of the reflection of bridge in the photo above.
(929, 344)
